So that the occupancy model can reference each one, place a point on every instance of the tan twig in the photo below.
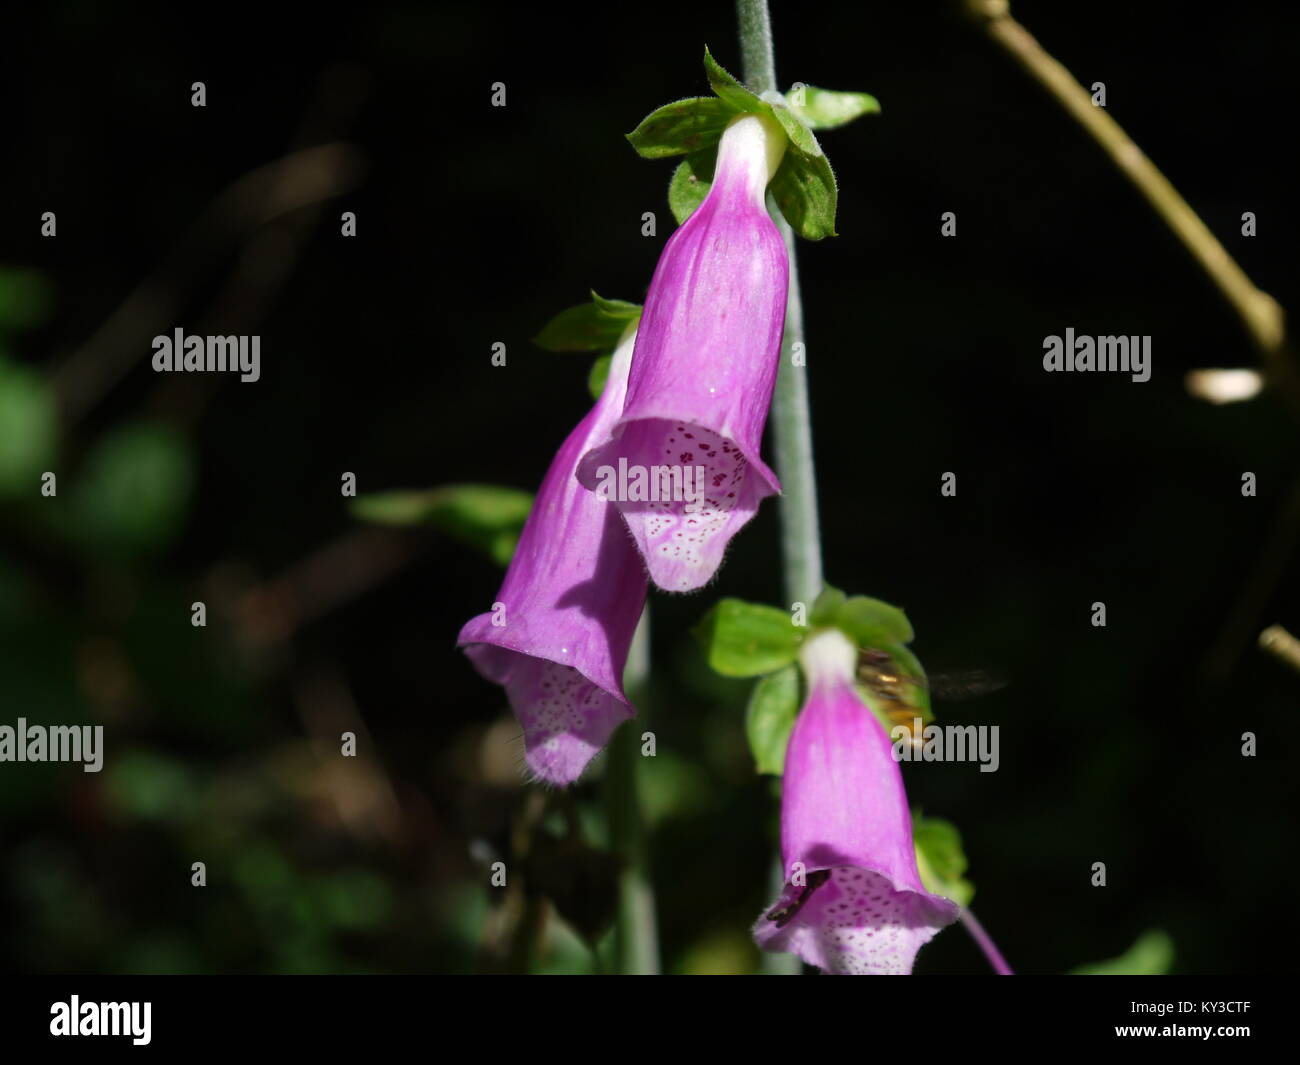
(300, 179)
(1282, 645)
(1262, 315)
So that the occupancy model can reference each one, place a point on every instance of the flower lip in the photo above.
(854, 901)
(558, 636)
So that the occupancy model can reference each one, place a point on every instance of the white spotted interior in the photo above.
(683, 542)
(855, 924)
(565, 717)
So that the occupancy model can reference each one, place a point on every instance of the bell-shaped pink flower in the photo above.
(854, 902)
(707, 354)
(558, 636)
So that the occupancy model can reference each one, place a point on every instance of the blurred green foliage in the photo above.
(1152, 954)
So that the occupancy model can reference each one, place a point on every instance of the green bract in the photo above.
(691, 182)
(804, 186)
(867, 622)
(752, 640)
(748, 639)
(684, 126)
(940, 858)
(594, 326)
(769, 717)
(825, 109)
(599, 375)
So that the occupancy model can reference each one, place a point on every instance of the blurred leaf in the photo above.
(681, 127)
(26, 298)
(1152, 954)
(941, 860)
(594, 326)
(485, 516)
(770, 716)
(748, 639)
(144, 786)
(676, 787)
(720, 952)
(28, 429)
(827, 109)
(354, 899)
(133, 490)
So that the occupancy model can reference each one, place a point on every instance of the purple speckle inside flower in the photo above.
(566, 718)
(683, 540)
(855, 923)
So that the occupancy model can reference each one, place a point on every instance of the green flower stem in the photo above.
(791, 423)
(636, 939)
(801, 550)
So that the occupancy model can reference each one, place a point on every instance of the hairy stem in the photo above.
(791, 422)
(801, 551)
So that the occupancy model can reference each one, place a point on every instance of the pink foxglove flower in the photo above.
(854, 902)
(558, 635)
(707, 353)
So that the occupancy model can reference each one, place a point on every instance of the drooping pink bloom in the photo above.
(707, 353)
(558, 636)
(854, 902)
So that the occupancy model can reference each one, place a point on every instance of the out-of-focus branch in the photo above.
(300, 179)
(336, 573)
(1244, 617)
(1262, 315)
(358, 787)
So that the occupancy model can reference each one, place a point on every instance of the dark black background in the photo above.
(475, 225)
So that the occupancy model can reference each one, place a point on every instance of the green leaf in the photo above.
(940, 859)
(871, 621)
(133, 490)
(1152, 954)
(25, 298)
(802, 140)
(28, 428)
(620, 310)
(804, 189)
(748, 639)
(868, 622)
(826, 606)
(729, 89)
(678, 128)
(599, 375)
(594, 326)
(769, 717)
(691, 182)
(826, 109)
(485, 516)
